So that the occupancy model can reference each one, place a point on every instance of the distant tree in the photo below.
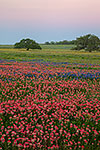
(88, 42)
(47, 43)
(65, 42)
(52, 42)
(27, 44)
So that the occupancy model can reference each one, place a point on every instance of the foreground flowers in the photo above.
(49, 106)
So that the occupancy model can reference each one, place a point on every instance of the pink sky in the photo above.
(50, 13)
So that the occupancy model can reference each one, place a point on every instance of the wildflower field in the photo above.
(49, 106)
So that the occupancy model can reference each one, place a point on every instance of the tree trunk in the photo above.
(27, 49)
(90, 50)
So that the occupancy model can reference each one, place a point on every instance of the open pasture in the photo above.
(49, 105)
(54, 53)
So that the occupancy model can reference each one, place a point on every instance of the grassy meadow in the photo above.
(55, 53)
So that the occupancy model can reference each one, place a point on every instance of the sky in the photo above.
(48, 20)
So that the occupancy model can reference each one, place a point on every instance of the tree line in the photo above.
(87, 42)
(64, 42)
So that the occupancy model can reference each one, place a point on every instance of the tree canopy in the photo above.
(27, 44)
(88, 42)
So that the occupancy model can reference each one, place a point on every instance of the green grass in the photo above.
(6, 46)
(42, 45)
(56, 53)
(57, 46)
